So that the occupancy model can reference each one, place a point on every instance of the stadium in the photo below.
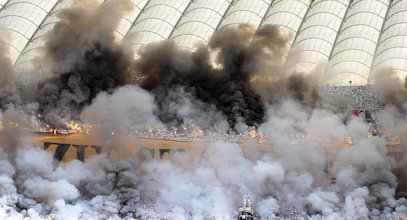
(353, 38)
(203, 109)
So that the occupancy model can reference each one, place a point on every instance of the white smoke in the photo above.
(309, 169)
(192, 112)
(129, 109)
(297, 175)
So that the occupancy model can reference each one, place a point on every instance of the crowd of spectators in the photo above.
(360, 97)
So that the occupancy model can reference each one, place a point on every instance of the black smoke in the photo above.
(237, 73)
(227, 86)
(303, 90)
(82, 55)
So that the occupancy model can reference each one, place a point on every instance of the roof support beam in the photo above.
(379, 40)
(224, 14)
(182, 15)
(4, 6)
(340, 28)
(265, 15)
(138, 16)
(302, 22)
(38, 28)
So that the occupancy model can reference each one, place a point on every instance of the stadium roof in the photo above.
(352, 38)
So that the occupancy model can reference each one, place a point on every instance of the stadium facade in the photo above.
(351, 39)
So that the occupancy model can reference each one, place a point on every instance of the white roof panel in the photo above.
(128, 21)
(29, 52)
(22, 19)
(2, 3)
(317, 34)
(355, 45)
(157, 21)
(393, 42)
(345, 36)
(287, 13)
(245, 11)
(199, 22)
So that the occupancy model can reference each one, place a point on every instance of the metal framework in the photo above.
(393, 41)
(157, 22)
(318, 32)
(28, 52)
(356, 42)
(354, 37)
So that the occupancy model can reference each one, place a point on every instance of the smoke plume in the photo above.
(248, 70)
(390, 88)
(9, 95)
(307, 177)
(128, 110)
(84, 58)
(7, 72)
(228, 87)
(315, 163)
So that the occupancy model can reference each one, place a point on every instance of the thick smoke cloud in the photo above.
(9, 95)
(249, 70)
(307, 171)
(391, 89)
(128, 110)
(277, 77)
(241, 52)
(7, 72)
(34, 187)
(84, 59)
(290, 178)
(392, 92)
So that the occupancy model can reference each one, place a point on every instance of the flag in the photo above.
(365, 114)
(368, 114)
